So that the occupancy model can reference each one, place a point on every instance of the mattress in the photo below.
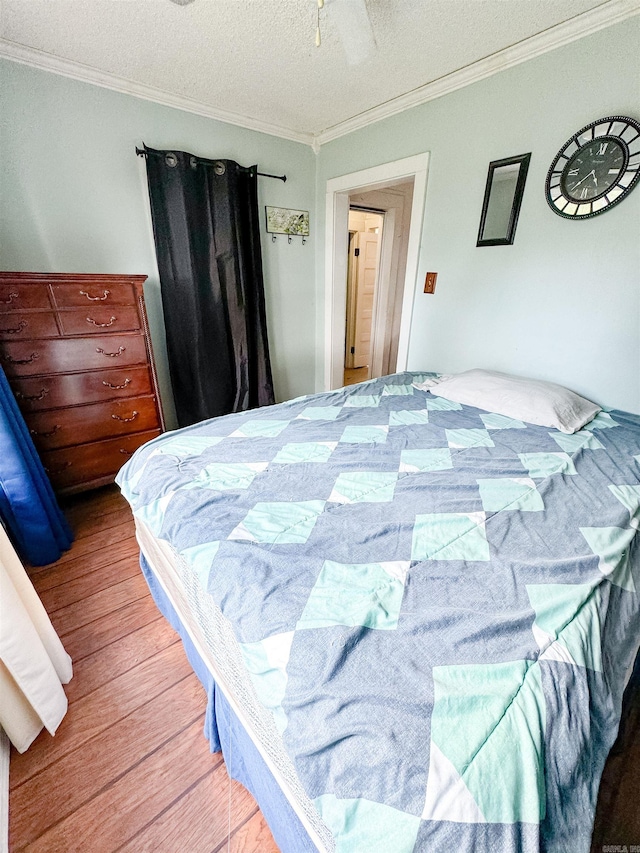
(422, 612)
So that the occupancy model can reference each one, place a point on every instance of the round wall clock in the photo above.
(595, 169)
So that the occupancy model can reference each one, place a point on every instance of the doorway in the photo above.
(398, 190)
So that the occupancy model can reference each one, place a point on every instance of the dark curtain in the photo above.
(28, 506)
(207, 236)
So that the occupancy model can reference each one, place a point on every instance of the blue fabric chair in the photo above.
(28, 506)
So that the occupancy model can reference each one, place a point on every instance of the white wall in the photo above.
(73, 198)
(562, 303)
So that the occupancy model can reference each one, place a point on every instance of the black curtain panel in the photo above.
(207, 236)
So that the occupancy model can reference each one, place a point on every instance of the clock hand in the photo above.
(592, 172)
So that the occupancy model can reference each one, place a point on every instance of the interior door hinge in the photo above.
(356, 252)
(353, 350)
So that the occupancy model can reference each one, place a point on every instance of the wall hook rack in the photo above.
(290, 237)
(283, 220)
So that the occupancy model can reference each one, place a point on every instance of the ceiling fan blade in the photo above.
(351, 19)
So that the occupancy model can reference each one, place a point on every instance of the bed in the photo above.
(414, 618)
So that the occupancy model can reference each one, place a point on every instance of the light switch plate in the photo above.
(430, 282)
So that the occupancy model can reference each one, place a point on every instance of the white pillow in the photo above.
(529, 400)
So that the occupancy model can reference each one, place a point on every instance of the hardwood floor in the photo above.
(353, 375)
(617, 823)
(129, 768)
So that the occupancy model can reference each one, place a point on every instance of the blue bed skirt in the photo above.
(225, 733)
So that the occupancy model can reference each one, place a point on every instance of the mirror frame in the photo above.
(507, 240)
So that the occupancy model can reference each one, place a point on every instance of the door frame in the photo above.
(336, 245)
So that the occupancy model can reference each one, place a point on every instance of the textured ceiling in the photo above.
(258, 59)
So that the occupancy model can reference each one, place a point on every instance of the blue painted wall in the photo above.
(73, 198)
(562, 303)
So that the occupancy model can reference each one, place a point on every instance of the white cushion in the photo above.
(529, 400)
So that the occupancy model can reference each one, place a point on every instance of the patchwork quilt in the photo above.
(437, 604)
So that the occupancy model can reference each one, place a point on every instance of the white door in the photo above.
(365, 288)
(349, 345)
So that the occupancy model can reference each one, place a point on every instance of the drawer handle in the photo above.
(111, 354)
(30, 397)
(126, 420)
(8, 301)
(126, 452)
(21, 325)
(33, 357)
(56, 471)
(105, 295)
(46, 434)
(102, 325)
(126, 382)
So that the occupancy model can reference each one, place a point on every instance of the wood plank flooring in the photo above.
(353, 375)
(129, 768)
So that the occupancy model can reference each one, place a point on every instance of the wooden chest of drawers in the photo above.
(77, 353)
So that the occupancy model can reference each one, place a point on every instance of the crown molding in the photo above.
(605, 15)
(85, 74)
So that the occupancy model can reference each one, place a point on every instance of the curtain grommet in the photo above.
(219, 167)
(171, 160)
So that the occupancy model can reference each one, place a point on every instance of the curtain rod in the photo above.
(141, 152)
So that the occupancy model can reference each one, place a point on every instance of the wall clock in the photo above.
(595, 169)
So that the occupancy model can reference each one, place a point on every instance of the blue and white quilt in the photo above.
(437, 604)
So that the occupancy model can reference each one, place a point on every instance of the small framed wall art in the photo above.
(284, 220)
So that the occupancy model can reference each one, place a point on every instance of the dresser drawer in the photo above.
(79, 424)
(37, 324)
(71, 389)
(94, 320)
(29, 358)
(18, 297)
(93, 294)
(86, 462)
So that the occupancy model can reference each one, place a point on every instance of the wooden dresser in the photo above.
(77, 353)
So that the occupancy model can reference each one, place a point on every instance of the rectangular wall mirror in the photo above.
(502, 200)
